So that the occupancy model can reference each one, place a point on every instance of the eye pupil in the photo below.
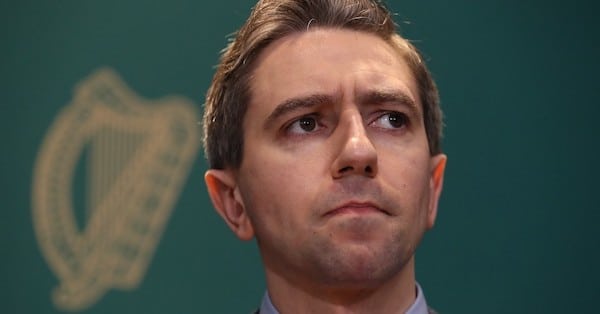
(307, 124)
(397, 120)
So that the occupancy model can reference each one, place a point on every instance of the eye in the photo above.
(304, 125)
(391, 120)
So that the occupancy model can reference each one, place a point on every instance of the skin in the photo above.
(337, 183)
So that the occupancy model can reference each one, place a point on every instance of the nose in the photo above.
(356, 154)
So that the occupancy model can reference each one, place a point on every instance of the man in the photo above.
(322, 133)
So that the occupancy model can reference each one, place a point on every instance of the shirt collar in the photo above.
(418, 307)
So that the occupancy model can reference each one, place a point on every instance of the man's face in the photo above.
(336, 177)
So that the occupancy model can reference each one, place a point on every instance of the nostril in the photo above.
(346, 169)
(368, 169)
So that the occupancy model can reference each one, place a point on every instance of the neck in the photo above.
(394, 295)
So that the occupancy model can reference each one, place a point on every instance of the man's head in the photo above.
(230, 92)
(322, 132)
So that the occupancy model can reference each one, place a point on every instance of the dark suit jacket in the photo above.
(430, 310)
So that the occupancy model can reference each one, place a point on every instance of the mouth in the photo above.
(357, 208)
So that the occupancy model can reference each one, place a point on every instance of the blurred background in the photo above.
(517, 230)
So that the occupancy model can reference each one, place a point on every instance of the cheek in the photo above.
(408, 182)
(283, 172)
(407, 175)
(277, 199)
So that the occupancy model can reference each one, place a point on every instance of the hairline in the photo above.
(246, 80)
(237, 72)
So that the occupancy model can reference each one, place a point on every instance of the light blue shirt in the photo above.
(418, 307)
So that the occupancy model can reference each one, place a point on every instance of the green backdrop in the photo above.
(517, 230)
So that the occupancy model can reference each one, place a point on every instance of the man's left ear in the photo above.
(438, 166)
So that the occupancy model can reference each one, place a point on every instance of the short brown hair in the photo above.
(229, 94)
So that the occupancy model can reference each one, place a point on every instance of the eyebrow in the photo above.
(297, 103)
(368, 98)
(388, 96)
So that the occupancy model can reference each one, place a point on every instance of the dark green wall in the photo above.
(517, 230)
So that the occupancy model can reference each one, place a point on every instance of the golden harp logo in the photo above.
(138, 154)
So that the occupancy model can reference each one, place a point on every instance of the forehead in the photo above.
(325, 61)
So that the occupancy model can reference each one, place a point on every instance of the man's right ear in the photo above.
(226, 198)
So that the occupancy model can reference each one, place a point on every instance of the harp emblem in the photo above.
(136, 155)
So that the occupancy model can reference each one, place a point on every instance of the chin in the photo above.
(359, 266)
